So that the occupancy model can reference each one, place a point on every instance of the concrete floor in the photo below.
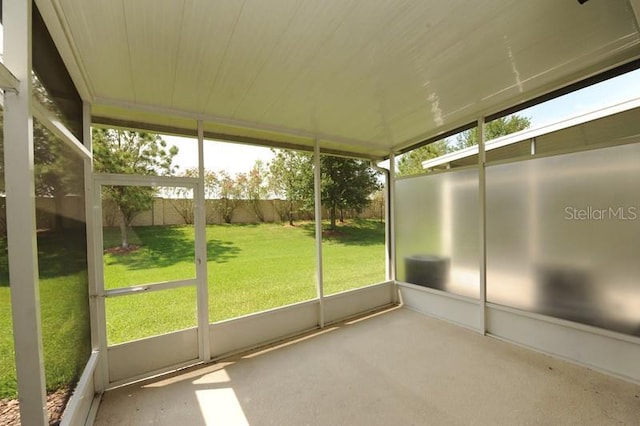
(394, 368)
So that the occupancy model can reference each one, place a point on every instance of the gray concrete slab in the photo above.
(397, 367)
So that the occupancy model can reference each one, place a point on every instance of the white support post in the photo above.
(391, 223)
(482, 224)
(201, 254)
(318, 213)
(97, 330)
(102, 370)
(21, 215)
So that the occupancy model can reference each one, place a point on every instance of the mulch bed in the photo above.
(56, 403)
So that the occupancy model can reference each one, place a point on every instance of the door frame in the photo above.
(200, 260)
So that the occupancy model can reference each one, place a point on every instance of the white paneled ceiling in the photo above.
(362, 76)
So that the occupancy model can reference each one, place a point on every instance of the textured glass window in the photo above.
(437, 231)
(562, 236)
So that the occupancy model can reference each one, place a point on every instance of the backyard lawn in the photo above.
(64, 310)
(250, 268)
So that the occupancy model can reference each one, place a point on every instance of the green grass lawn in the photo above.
(64, 311)
(251, 268)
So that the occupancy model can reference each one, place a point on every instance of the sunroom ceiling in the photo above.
(365, 77)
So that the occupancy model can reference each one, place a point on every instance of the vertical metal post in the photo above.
(482, 224)
(318, 214)
(201, 254)
(533, 146)
(102, 370)
(97, 328)
(391, 224)
(21, 215)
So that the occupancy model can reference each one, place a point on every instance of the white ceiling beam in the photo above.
(240, 123)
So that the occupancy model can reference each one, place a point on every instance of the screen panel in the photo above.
(62, 260)
(148, 235)
(353, 229)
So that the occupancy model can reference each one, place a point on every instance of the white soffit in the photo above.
(366, 76)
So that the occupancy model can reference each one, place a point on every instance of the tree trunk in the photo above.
(123, 233)
(332, 213)
(290, 213)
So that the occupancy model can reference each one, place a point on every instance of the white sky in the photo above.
(234, 158)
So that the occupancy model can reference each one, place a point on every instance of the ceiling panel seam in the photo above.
(257, 74)
(312, 59)
(126, 31)
(178, 46)
(224, 56)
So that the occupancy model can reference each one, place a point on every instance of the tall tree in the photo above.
(211, 184)
(58, 171)
(256, 188)
(136, 153)
(289, 175)
(346, 184)
(411, 162)
(229, 194)
(493, 129)
(181, 198)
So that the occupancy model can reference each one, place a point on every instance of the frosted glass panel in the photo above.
(562, 236)
(437, 231)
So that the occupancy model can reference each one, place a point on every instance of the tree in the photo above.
(411, 162)
(379, 203)
(59, 172)
(346, 184)
(210, 192)
(289, 176)
(256, 188)
(493, 129)
(181, 198)
(229, 194)
(136, 153)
